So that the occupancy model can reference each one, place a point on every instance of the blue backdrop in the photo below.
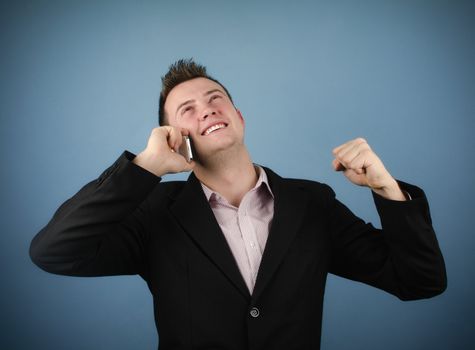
(80, 83)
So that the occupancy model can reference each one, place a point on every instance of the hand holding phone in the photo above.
(162, 156)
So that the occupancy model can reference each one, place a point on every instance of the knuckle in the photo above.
(353, 163)
(366, 152)
(343, 162)
(161, 130)
(360, 140)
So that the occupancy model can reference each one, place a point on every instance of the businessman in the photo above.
(236, 257)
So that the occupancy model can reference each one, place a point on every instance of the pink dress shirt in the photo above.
(245, 227)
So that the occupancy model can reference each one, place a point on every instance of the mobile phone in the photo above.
(186, 149)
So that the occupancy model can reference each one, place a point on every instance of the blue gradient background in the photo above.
(80, 83)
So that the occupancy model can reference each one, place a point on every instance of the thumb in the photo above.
(355, 177)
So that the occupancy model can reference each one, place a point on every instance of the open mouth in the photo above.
(213, 128)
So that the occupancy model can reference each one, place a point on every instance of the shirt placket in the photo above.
(248, 232)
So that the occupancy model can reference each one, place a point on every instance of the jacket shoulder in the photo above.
(314, 188)
(307, 184)
(168, 188)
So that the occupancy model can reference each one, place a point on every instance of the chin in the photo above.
(218, 149)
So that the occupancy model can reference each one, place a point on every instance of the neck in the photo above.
(231, 174)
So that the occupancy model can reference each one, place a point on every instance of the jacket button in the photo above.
(254, 312)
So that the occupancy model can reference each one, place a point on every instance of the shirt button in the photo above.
(254, 312)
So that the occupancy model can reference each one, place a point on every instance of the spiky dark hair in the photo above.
(179, 72)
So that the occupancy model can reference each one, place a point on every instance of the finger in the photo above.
(157, 138)
(355, 178)
(353, 145)
(164, 130)
(337, 166)
(178, 135)
(359, 171)
(348, 154)
(337, 149)
(348, 145)
(340, 147)
(175, 138)
(361, 162)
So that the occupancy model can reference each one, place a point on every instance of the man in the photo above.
(237, 257)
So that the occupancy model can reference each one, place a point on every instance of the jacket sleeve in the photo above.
(102, 229)
(403, 258)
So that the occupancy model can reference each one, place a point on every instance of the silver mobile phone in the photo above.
(186, 149)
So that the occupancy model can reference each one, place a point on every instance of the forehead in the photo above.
(190, 90)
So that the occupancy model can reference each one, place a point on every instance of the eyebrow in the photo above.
(189, 101)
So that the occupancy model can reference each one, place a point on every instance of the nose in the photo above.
(207, 113)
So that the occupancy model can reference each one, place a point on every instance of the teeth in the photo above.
(213, 128)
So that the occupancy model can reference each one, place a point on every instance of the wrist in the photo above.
(148, 162)
(392, 191)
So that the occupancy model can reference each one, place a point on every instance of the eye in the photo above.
(214, 97)
(186, 109)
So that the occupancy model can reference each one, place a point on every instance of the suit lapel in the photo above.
(289, 208)
(193, 213)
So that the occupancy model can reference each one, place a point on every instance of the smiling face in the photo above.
(203, 108)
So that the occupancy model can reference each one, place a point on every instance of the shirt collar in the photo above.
(261, 181)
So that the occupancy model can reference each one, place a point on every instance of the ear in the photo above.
(240, 115)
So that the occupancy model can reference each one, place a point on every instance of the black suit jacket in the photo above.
(127, 222)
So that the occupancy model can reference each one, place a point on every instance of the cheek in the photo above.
(181, 122)
(188, 124)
